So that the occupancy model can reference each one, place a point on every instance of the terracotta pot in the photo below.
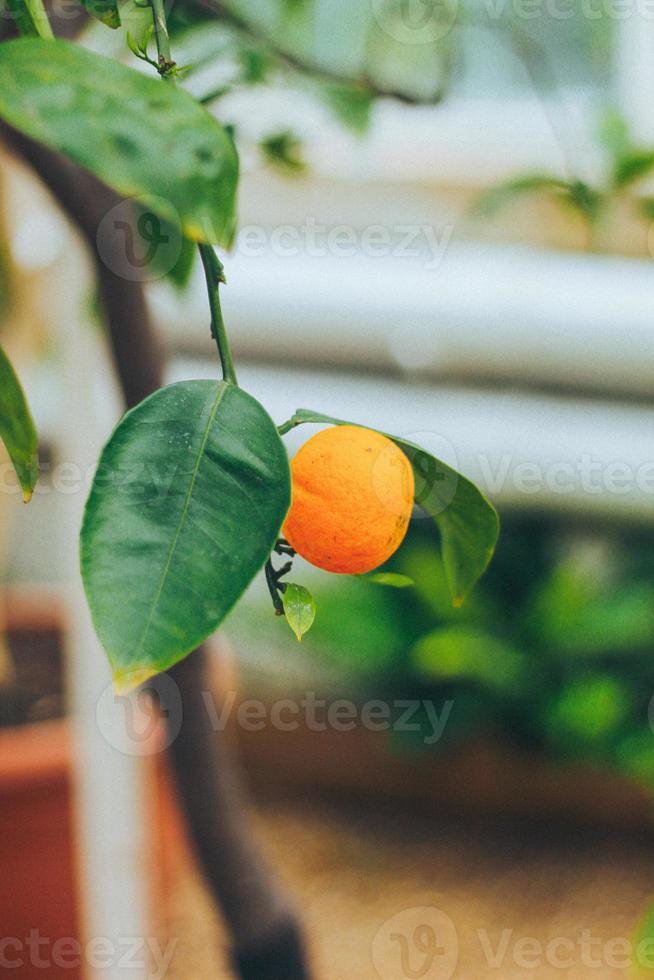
(38, 894)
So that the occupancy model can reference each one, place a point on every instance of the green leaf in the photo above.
(284, 150)
(17, 429)
(30, 18)
(642, 943)
(105, 11)
(613, 134)
(632, 167)
(467, 521)
(499, 197)
(583, 198)
(174, 255)
(299, 607)
(576, 613)
(145, 139)
(393, 580)
(187, 503)
(464, 654)
(351, 104)
(180, 274)
(587, 710)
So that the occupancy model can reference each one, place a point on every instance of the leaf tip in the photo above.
(126, 681)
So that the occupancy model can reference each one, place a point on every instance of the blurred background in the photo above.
(445, 232)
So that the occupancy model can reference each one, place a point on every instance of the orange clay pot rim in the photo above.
(34, 756)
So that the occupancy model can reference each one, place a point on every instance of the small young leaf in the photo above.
(186, 505)
(468, 523)
(17, 429)
(391, 579)
(30, 18)
(299, 607)
(148, 141)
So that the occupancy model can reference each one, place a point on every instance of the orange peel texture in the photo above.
(352, 499)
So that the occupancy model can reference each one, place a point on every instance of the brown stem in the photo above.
(266, 939)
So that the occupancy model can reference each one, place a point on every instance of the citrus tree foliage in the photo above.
(193, 486)
(17, 428)
(148, 141)
(185, 508)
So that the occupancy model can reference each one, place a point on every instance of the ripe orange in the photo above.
(352, 499)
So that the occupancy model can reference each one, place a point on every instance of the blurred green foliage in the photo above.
(552, 651)
(625, 166)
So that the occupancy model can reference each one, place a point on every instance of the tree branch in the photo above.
(305, 65)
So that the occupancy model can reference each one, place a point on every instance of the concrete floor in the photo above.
(392, 895)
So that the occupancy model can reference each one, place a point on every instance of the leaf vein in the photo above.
(222, 390)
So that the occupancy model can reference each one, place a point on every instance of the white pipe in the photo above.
(527, 451)
(634, 71)
(515, 314)
(110, 817)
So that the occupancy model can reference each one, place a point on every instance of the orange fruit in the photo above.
(352, 499)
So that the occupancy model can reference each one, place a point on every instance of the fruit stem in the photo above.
(287, 426)
(274, 575)
(271, 582)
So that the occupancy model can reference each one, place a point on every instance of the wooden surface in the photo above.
(354, 868)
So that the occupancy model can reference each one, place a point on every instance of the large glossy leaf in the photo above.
(467, 521)
(147, 140)
(190, 493)
(17, 428)
(30, 18)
